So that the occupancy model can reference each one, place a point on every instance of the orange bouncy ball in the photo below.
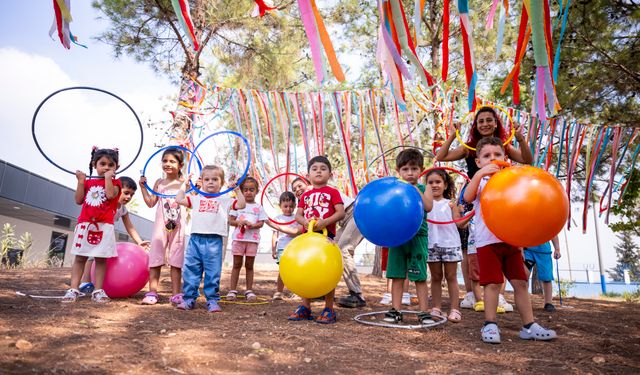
(524, 206)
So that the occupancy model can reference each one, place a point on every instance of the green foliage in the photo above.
(629, 208)
(628, 258)
(632, 296)
(7, 239)
(565, 287)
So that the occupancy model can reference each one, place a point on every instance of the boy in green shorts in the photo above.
(410, 259)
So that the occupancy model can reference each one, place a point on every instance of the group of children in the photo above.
(438, 245)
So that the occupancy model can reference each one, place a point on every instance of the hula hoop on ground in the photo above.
(509, 139)
(144, 170)
(35, 115)
(361, 318)
(246, 169)
(462, 218)
(259, 301)
(264, 190)
(32, 295)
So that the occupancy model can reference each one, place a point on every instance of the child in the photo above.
(168, 231)
(540, 256)
(208, 227)
(94, 235)
(129, 188)
(444, 243)
(496, 258)
(283, 234)
(324, 204)
(409, 259)
(246, 237)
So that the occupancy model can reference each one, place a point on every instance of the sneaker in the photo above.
(393, 316)
(468, 301)
(479, 307)
(186, 304)
(87, 288)
(386, 299)
(213, 307)
(491, 333)
(277, 296)
(537, 332)
(328, 316)
(301, 313)
(353, 300)
(504, 304)
(406, 299)
(548, 307)
(100, 296)
(71, 296)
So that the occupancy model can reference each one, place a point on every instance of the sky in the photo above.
(32, 66)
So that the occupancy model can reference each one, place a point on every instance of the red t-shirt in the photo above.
(320, 204)
(96, 207)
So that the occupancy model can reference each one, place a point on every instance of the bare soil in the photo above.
(126, 337)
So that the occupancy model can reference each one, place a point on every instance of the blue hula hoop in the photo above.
(246, 169)
(35, 115)
(156, 153)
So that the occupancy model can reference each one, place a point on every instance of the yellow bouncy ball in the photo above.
(311, 265)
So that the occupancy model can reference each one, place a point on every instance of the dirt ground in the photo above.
(126, 337)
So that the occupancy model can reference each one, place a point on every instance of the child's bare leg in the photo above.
(86, 274)
(396, 293)
(101, 270)
(306, 302)
(76, 270)
(477, 290)
(523, 301)
(154, 278)
(421, 291)
(468, 283)
(248, 267)
(235, 271)
(547, 289)
(176, 280)
(279, 284)
(436, 284)
(451, 274)
(328, 299)
(405, 286)
(491, 292)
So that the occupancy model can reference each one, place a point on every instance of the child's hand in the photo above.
(320, 224)
(556, 254)
(145, 245)
(143, 180)
(81, 176)
(489, 169)
(108, 175)
(274, 253)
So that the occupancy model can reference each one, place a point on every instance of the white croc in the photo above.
(490, 333)
(537, 332)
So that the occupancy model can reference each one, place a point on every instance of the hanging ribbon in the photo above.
(61, 22)
(183, 13)
(469, 61)
(261, 8)
(445, 40)
(345, 141)
(556, 58)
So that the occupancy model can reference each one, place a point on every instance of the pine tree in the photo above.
(628, 258)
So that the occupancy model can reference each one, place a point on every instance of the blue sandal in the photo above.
(328, 316)
(301, 313)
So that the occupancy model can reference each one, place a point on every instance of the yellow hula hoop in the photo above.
(260, 301)
(513, 129)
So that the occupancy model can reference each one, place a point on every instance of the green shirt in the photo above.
(424, 228)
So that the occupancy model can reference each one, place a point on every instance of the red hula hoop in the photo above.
(465, 217)
(264, 190)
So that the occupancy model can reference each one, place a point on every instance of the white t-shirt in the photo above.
(209, 215)
(471, 242)
(120, 212)
(483, 235)
(252, 213)
(442, 235)
(284, 238)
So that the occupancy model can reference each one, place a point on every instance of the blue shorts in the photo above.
(542, 261)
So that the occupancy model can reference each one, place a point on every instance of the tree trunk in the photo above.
(536, 286)
(377, 262)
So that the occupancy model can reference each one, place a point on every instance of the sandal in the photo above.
(328, 316)
(454, 316)
(425, 318)
(437, 312)
(100, 296)
(301, 313)
(232, 295)
(150, 298)
(71, 296)
(176, 299)
(277, 296)
(250, 296)
(393, 316)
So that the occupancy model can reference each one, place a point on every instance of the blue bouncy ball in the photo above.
(388, 212)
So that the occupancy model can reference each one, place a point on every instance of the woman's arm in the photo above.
(445, 154)
(522, 154)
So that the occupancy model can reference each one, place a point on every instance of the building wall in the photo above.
(41, 234)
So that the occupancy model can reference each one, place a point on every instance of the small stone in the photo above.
(263, 313)
(24, 345)
(421, 372)
(307, 359)
(142, 321)
(598, 359)
(256, 345)
(300, 349)
(163, 331)
(172, 334)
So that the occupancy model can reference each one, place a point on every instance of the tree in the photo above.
(629, 208)
(628, 258)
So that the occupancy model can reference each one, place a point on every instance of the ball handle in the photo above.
(502, 163)
(310, 228)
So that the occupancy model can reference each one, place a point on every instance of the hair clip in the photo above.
(116, 149)
(94, 148)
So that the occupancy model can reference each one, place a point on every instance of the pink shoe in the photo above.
(176, 299)
(150, 298)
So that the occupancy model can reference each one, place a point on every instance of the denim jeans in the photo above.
(203, 254)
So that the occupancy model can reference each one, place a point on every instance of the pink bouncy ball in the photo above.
(127, 273)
